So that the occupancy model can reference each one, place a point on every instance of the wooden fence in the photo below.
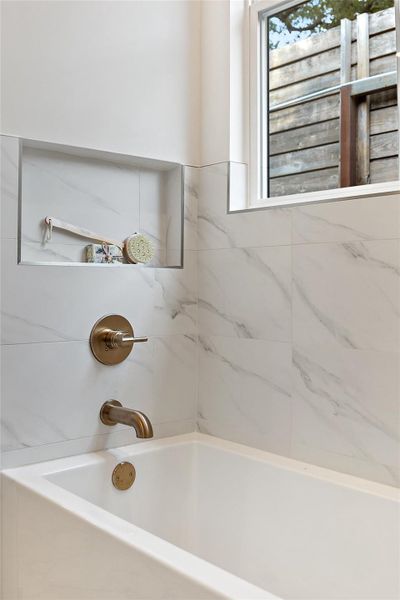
(305, 139)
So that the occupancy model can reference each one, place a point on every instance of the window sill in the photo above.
(335, 195)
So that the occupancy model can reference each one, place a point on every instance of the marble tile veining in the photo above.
(359, 219)
(156, 301)
(218, 229)
(9, 162)
(99, 195)
(111, 199)
(92, 443)
(334, 299)
(43, 405)
(52, 387)
(175, 298)
(297, 311)
(64, 302)
(153, 217)
(346, 402)
(348, 294)
(245, 292)
(192, 177)
(245, 391)
(364, 468)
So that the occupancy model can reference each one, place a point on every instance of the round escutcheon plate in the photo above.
(124, 476)
(104, 354)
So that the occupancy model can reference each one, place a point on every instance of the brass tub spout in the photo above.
(113, 412)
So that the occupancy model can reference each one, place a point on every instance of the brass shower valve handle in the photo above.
(116, 339)
(112, 339)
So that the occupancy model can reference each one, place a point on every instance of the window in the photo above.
(323, 100)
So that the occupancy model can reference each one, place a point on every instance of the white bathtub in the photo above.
(205, 518)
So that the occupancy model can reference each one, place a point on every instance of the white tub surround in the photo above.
(205, 518)
(299, 328)
(49, 335)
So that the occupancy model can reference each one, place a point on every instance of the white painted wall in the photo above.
(113, 75)
(164, 79)
(214, 81)
(224, 81)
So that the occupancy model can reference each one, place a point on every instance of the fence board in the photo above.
(321, 65)
(384, 144)
(318, 65)
(304, 69)
(304, 48)
(385, 169)
(322, 109)
(304, 160)
(302, 88)
(315, 84)
(382, 44)
(379, 45)
(384, 119)
(384, 64)
(378, 22)
(384, 99)
(305, 182)
(305, 137)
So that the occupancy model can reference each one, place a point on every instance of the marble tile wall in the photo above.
(283, 327)
(100, 195)
(299, 325)
(51, 386)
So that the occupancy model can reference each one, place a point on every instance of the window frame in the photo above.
(259, 116)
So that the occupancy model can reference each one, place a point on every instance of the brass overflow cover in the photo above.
(124, 476)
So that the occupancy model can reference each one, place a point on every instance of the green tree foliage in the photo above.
(316, 16)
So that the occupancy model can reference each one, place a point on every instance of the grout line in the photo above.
(121, 428)
(93, 436)
(305, 243)
(86, 340)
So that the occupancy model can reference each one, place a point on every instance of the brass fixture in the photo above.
(112, 339)
(113, 412)
(124, 476)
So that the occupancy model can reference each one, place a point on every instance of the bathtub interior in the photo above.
(292, 534)
(161, 500)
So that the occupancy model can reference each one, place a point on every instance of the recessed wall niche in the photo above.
(112, 194)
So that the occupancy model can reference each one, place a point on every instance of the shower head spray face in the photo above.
(138, 249)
